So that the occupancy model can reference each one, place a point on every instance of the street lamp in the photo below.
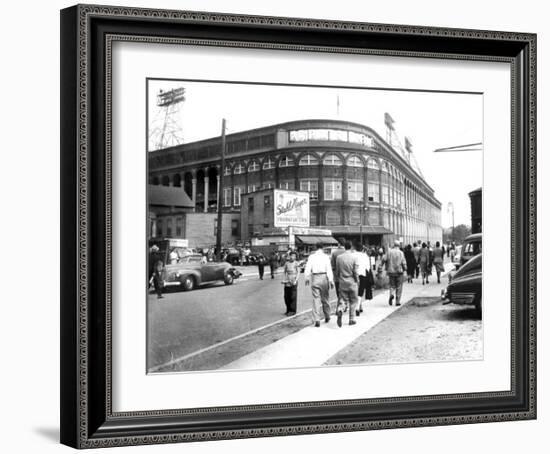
(451, 208)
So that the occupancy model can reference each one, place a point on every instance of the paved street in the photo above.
(185, 322)
(242, 326)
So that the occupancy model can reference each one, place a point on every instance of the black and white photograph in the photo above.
(300, 226)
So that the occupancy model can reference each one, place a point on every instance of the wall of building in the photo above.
(257, 214)
(376, 185)
(198, 228)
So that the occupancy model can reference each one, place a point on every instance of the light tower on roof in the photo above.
(166, 129)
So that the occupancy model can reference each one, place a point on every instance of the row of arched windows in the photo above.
(309, 159)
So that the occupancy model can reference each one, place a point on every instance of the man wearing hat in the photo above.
(395, 266)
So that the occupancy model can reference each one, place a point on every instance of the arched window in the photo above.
(385, 168)
(309, 160)
(227, 171)
(269, 163)
(332, 160)
(373, 164)
(239, 168)
(254, 166)
(355, 161)
(286, 161)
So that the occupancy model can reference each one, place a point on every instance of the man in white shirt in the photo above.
(319, 272)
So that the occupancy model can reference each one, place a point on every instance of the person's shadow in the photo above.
(49, 433)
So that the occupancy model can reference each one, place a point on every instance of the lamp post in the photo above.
(451, 208)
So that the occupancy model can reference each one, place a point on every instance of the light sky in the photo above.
(430, 120)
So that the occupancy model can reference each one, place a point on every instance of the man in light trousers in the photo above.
(347, 275)
(319, 272)
(395, 266)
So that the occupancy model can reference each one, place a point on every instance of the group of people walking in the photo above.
(421, 259)
(350, 271)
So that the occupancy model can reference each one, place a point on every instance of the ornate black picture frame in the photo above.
(87, 418)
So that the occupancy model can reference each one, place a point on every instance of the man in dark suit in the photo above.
(347, 276)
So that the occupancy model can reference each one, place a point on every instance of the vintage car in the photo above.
(465, 285)
(188, 270)
(470, 248)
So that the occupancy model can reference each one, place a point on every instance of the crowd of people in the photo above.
(353, 270)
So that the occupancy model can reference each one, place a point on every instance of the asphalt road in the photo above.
(183, 323)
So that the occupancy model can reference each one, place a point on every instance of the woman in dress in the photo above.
(438, 254)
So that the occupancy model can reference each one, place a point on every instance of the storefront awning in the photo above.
(311, 239)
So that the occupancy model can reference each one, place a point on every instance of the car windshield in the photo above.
(473, 248)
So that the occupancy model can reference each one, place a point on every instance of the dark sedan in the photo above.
(465, 286)
(190, 271)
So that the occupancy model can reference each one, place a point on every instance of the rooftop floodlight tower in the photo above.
(167, 128)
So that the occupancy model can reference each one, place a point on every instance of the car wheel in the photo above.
(228, 279)
(188, 283)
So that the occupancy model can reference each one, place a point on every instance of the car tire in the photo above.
(228, 279)
(188, 283)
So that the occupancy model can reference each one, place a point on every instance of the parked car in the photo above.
(470, 248)
(232, 255)
(465, 285)
(190, 269)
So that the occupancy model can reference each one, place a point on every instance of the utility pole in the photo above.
(220, 197)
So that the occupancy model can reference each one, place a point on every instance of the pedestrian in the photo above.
(424, 262)
(411, 263)
(291, 271)
(366, 280)
(431, 262)
(273, 263)
(452, 254)
(261, 265)
(319, 272)
(380, 272)
(347, 276)
(241, 256)
(333, 256)
(158, 278)
(438, 254)
(416, 253)
(395, 266)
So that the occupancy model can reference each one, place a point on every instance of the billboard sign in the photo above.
(291, 208)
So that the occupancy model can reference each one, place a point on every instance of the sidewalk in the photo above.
(312, 347)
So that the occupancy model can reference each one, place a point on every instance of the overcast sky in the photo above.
(430, 120)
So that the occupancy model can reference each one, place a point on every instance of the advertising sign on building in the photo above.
(291, 208)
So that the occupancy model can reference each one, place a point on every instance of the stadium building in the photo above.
(360, 186)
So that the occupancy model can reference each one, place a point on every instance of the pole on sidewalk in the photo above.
(220, 197)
